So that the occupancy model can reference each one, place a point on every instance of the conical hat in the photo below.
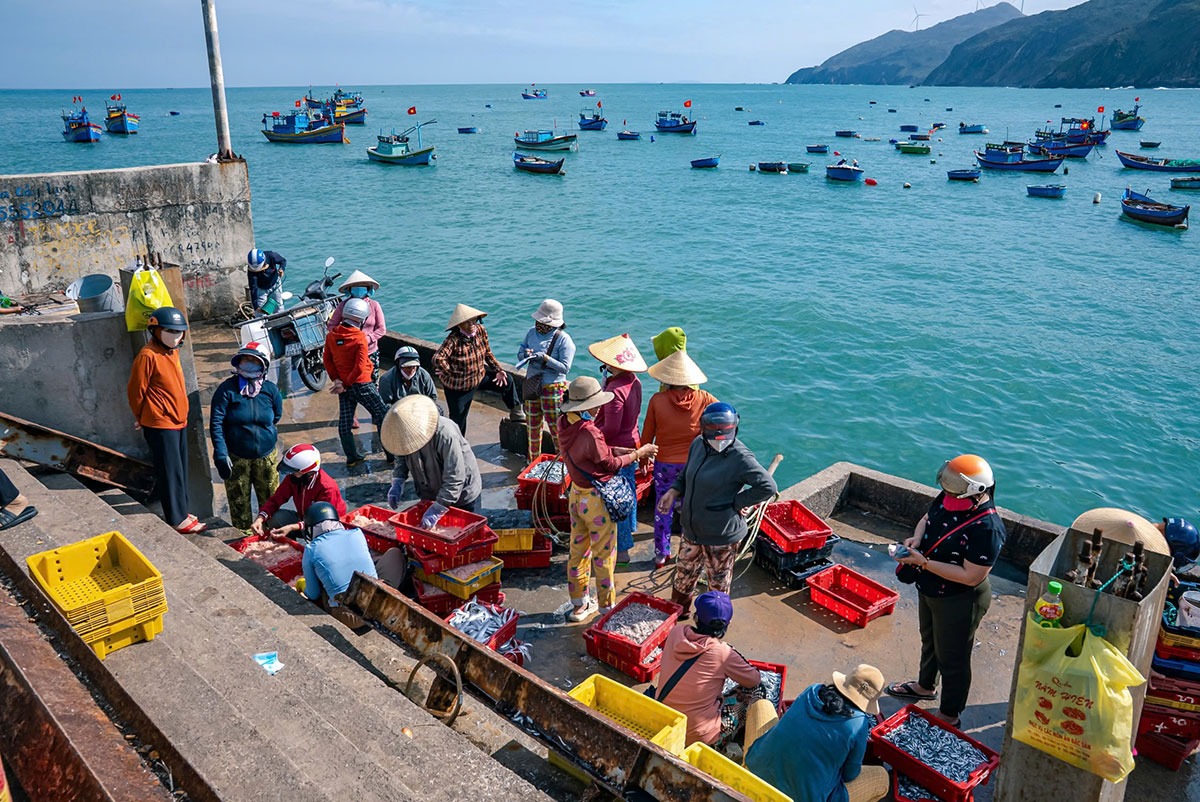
(462, 313)
(357, 277)
(619, 352)
(1123, 527)
(679, 370)
(409, 424)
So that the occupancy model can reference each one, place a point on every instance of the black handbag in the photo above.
(907, 573)
(531, 387)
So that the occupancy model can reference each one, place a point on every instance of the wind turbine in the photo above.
(917, 19)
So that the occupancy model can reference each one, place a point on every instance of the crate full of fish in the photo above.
(934, 754)
(636, 626)
(536, 557)
(793, 527)
(773, 677)
(906, 789)
(547, 470)
(376, 524)
(452, 531)
(489, 624)
(1166, 750)
(478, 547)
(440, 603)
(849, 594)
(282, 557)
(465, 580)
(643, 671)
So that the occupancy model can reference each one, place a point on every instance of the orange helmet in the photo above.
(966, 475)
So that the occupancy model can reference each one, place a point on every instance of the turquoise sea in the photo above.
(887, 326)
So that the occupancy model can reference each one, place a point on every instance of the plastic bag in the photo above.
(1077, 708)
(147, 292)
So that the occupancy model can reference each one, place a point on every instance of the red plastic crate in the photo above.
(643, 484)
(479, 547)
(1169, 721)
(526, 486)
(458, 526)
(925, 798)
(793, 527)
(927, 777)
(442, 603)
(1176, 652)
(774, 668)
(624, 648)
(1165, 750)
(537, 557)
(849, 594)
(500, 636)
(639, 672)
(515, 657)
(375, 542)
(286, 570)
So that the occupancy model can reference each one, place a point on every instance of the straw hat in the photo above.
(863, 687)
(620, 353)
(356, 278)
(583, 393)
(409, 424)
(550, 313)
(678, 369)
(462, 313)
(1122, 526)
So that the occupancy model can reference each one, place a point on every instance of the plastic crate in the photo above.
(851, 595)
(924, 775)
(1179, 700)
(286, 570)
(378, 542)
(1170, 652)
(643, 485)
(774, 668)
(501, 636)
(739, 778)
(633, 710)
(454, 528)
(794, 527)
(526, 486)
(927, 797)
(1165, 750)
(537, 557)
(441, 603)
(514, 540)
(1171, 635)
(639, 672)
(769, 555)
(1179, 669)
(135, 633)
(486, 573)
(623, 647)
(1169, 721)
(480, 547)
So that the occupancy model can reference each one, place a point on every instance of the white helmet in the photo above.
(357, 309)
(965, 476)
(302, 459)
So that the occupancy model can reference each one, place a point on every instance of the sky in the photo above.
(82, 44)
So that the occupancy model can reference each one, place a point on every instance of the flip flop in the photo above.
(904, 690)
(191, 525)
(8, 520)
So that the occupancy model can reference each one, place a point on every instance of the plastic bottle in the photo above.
(1048, 610)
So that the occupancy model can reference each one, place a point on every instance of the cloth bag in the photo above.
(147, 293)
(1076, 706)
(531, 387)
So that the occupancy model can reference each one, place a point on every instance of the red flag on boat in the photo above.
(118, 96)
(1100, 110)
(297, 104)
(412, 109)
(112, 97)
(1136, 99)
(598, 105)
(687, 104)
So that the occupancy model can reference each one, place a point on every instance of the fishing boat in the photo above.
(532, 164)
(937, 126)
(1127, 120)
(340, 98)
(1142, 207)
(628, 136)
(920, 137)
(914, 148)
(963, 175)
(172, 114)
(1146, 143)
(891, 111)
(672, 122)
(591, 120)
(711, 161)
(843, 172)
(534, 94)
(393, 149)
(817, 148)
(739, 108)
(1046, 190)
(468, 129)
(347, 115)
(909, 129)
(1010, 160)
(845, 134)
(587, 92)
(1188, 182)
(118, 120)
(756, 122)
(773, 167)
(546, 140)
(1059, 148)
(77, 127)
(1136, 162)
(300, 127)
(974, 128)
(798, 167)
(1074, 130)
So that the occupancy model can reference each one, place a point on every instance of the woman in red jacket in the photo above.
(305, 484)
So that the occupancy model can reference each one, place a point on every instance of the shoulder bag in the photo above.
(617, 493)
(531, 387)
(908, 573)
(673, 681)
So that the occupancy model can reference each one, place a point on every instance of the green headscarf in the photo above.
(668, 342)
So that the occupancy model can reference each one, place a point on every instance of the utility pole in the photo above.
(217, 76)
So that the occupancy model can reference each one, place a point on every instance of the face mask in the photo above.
(585, 415)
(170, 339)
(719, 445)
(360, 292)
(349, 321)
(952, 504)
(251, 371)
(542, 328)
(604, 371)
(408, 373)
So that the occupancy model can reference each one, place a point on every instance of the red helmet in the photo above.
(302, 459)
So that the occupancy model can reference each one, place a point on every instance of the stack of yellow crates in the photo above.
(106, 589)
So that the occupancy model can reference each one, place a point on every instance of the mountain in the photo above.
(904, 57)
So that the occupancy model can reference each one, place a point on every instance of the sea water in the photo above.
(886, 326)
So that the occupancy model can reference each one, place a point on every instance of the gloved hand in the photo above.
(224, 467)
(394, 493)
(433, 515)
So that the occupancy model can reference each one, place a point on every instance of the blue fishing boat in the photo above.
(845, 134)
(756, 122)
(587, 92)
(1127, 120)
(1075, 131)
(908, 129)
(393, 149)
(1142, 207)
(532, 164)
(1046, 190)
(937, 126)
(963, 175)
(340, 98)
(672, 122)
(77, 127)
(817, 148)
(300, 127)
(798, 167)
(891, 111)
(1189, 182)
(1014, 159)
(534, 94)
(773, 167)
(118, 120)
(1136, 162)
(591, 120)
(173, 113)
(974, 128)
(711, 161)
(546, 140)
(345, 114)
(468, 129)
(920, 137)
(628, 136)
(1071, 151)
(843, 172)
(1149, 143)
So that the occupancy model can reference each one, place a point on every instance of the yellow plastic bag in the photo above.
(1077, 708)
(147, 292)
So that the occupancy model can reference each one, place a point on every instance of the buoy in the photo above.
(835, 153)
(933, 161)
(907, 185)
(1066, 170)
(753, 168)
(1096, 198)
(870, 182)
(652, 139)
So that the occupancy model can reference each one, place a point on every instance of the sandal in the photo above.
(8, 520)
(191, 525)
(904, 690)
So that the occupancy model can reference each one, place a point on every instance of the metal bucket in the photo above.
(95, 293)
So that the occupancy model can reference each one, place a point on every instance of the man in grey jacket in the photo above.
(720, 481)
(406, 377)
(434, 453)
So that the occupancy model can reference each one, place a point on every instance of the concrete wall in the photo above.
(56, 227)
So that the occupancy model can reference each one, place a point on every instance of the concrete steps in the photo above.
(321, 729)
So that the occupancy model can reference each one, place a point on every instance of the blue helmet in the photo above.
(719, 422)
(256, 259)
(1183, 540)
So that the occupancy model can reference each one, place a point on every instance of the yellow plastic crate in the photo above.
(1181, 641)
(465, 589)
(633, 710)
(739, 778)
(513, 540)
(128, 636)
(98, 582)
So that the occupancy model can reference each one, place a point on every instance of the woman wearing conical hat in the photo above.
(465, 363)
(360, 285)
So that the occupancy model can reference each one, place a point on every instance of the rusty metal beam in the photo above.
(58, 743)
(22, 439)
(617, 758)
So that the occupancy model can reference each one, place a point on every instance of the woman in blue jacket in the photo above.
(245, 410)
(547, 351)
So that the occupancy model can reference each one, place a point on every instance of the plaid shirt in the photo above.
(462, 361)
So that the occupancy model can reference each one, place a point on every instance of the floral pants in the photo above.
(546, 408)
(718, 560)
(593, 547)
(664, 476)
(260, 475)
